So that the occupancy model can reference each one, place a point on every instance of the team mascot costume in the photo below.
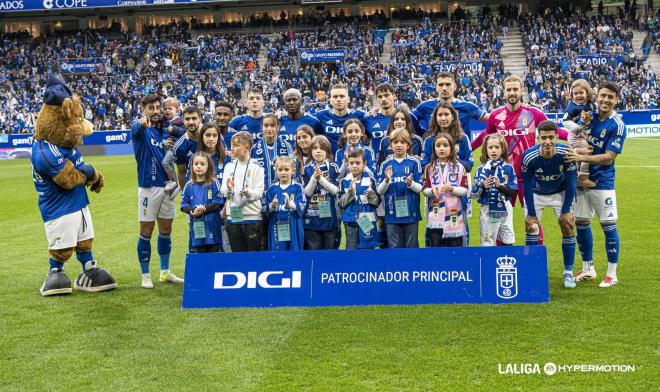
(60, 177)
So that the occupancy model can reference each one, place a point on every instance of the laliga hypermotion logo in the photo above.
(507, 277)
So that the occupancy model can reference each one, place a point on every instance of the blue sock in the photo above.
(144, 253)
(164, 249)
(84, 257)
(611, 243)
(568, 252)
(585, 240)
(55, 264)
(532, 239)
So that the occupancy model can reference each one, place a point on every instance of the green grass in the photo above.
(135, 339)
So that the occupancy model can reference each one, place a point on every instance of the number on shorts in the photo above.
(145, 202)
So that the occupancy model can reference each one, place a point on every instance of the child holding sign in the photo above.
(320, 179)
(201, 200)
(243, 188)
(400, 183)
(358, 199)
(285, 206)
(445, 183)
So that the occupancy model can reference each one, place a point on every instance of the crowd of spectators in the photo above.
(127, 67)
(564, 46)
(203, 63)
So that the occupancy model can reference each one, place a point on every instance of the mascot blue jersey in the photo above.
(54, 201)
(149, 153)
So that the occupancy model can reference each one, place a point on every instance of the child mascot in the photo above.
(60, 176)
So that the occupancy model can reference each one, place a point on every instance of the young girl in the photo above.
(580, 108)
(304, 135)
(209, 142)
(400, 183)
(201, 199)
(269, 147)
(445, 183)
(445, 119)
(285, 207)
(320, 179)
(400, 119)
(494, 185)
(358, 199)
(354, 136)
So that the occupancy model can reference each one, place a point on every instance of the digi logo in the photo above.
(238, 280)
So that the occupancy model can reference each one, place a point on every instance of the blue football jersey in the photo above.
(195, 194)
(376, 127)
(333, 125)
(398, 190)
(548, 176)
(386, 148)
(265, 156)
(183, 149)
(289, 127)
(466, 112)
(54, 201)
(149, 153)
(246, 123)
(369, 156)
(607, 135)
(464, 152)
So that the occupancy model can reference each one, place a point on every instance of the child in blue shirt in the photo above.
(320, 179)
(354, 135)
(285, 207)
(201, 200)
(358, 199)
(400, 183)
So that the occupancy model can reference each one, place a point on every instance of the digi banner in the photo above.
(470, 275)
(321, 56)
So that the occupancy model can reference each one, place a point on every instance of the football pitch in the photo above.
(141, 340)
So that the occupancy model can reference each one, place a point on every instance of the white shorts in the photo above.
(493, 230)
(601, 202)
(554, 201)
(67, 230)
(154, 203)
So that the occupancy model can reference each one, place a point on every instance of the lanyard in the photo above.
(247, 166)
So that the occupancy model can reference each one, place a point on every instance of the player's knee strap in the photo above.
(85, 245)
(608, 223)
(61, 255)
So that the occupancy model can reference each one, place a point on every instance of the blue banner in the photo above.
(34, 5)
(321, 55)
(451, 66)
(598, 60)
(367, 277)
(97, 138)
(80, 66)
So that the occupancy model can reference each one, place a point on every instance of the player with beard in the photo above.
(186, 146)
(295, 117)
(445, 86)
(517, 123)
(148, 135)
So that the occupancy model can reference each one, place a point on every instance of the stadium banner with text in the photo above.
(80, 66)
(470, 275)
(598, 60)
(322, 55)
(53, 5)
(96, 138)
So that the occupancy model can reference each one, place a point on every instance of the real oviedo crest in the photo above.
(507, 277)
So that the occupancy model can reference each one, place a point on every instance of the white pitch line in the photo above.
(639, 166)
